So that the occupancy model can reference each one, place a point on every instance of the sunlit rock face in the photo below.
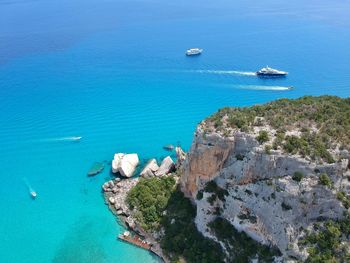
(263, 199)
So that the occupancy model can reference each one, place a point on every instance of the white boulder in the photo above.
(111, 200)
(150, 168)
(125, 164)
(117, 162)
(166, 166)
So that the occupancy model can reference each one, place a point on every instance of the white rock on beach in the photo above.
(117, 162)
(150, 168)
(125, 164)
(166, 166)
(111, 200)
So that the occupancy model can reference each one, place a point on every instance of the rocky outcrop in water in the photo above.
(125, 164)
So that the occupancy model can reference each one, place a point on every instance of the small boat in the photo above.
(194, 51)
(33, 194)
(169, 147)
(270, 72)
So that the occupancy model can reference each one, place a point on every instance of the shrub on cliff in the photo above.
(218, 192)
(325, 180)
(297, 176)
(323, 123)
(181, 237)
(150, 197)
(328, 242)
(263, 137)
(241, 247)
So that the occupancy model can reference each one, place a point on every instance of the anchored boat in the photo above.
(194, 51)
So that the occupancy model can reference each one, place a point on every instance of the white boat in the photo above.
(33, 194)
(270, 72)
(194, 51)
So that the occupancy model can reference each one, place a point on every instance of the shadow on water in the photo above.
(81, 244)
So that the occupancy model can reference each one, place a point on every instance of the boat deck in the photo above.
(136, 241)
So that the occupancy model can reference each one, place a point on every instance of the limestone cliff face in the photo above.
(206, 158)
(263, 200)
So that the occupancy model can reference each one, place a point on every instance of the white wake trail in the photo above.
(257, 87)
(63, 139)
(226, 72)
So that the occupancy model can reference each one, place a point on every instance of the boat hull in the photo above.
(194, 54)
(259, 74)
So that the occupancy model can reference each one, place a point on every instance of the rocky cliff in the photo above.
(272, 194)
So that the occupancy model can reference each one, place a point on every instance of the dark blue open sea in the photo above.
(114, 72)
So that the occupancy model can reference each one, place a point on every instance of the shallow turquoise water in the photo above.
(114, 73)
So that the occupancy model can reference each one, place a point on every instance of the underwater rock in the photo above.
(96, 168)
(168, 147)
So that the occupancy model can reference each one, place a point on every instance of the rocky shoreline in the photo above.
(115, 193)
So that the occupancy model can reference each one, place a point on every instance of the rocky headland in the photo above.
(267, 183)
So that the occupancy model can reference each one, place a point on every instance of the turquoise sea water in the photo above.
(114, 72)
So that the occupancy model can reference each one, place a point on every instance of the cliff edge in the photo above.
(272, 171)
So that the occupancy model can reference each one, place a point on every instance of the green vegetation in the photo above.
(328, 242)
(298, 176)
(150, 197)
(218, 192)
(181, 238)
(285, 206)
(324, 123)
(325, 180)
(263, 137)
(344, 198)
(268, 149)
(199, 195)
(241, 247)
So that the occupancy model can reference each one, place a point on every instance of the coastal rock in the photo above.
(117, 162)
(166, 166)
(262, 198)
(125, 164)
(150, 169)
(180, 156)
(205, 159)
(111, 200)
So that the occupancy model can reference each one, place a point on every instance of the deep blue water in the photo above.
(114, 72)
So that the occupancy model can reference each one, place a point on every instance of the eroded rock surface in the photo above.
(263, 200)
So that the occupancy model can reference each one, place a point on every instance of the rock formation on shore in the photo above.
(125, 164)
(152, 168)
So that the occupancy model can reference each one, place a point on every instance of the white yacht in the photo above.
(267, 71)
(194, 51)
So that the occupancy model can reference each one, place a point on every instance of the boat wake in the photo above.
(227, 72)
(68, 139)
(31, 191)
(64, 139)
(257, 87)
